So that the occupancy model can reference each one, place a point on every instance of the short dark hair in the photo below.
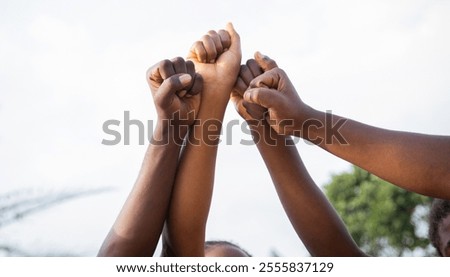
(212, 243)
(439, 210)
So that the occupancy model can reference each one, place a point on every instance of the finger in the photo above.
(217, 42)
(268, 79)
(179, 65)
(254, 110)
(154, 76)
(211, 52)
(235, 98)
(172, 85)
(198, 52)
(166, 69)
(197, 85)
(240, 86)
(182, 93)
(263, 96)
(255, 69)
(265, 62)
(246, 74)
(225, 39)
(235, 46)
(190, 68)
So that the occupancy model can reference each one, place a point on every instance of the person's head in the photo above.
(219, 248)
(439, 226)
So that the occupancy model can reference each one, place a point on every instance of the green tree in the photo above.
(383, 219)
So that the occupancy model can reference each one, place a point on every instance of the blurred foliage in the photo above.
(383, 219)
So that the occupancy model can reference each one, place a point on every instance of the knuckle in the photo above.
(171, 82)
(255, 94)
(196, 44)
(278, 71)
(198, 48)
(251, 62)
(198, 78)
(272, 64)
(205, 37)
(178, 60)
(190, 67)
(164, 63)
(190, 64)
(243, 70)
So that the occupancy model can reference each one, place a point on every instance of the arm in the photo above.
(314, 219)
(312, 216)
(139, 225)
(416, 162)
(216, 58)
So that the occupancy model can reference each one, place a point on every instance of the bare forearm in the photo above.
(313, 218)
(191, 199)
(417, 162)
(139, 225)
(216, 57)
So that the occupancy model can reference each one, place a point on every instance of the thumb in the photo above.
(174, 83)
(264, 61)
(235, 40)
(263, 96)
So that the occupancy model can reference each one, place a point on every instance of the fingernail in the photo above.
(185, 78)
(182, 93)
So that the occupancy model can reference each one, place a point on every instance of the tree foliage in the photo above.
(383, 219)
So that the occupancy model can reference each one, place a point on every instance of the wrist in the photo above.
(256, 125)
(213, 106)
(265, 137)
(166, 132)
(311, 124)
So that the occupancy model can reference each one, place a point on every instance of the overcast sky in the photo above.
(68, 66)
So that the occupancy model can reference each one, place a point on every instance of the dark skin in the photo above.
(416, 162)
(444, 235)
(310, 213)
(216, 57)
(169, 189)
(179, 194)
(313, 218)
(175, 88)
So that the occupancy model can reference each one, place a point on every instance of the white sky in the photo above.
(68, 66)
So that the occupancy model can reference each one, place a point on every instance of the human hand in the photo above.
(217, 57)
(175, 88)
(274, 91)
(254, 67)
